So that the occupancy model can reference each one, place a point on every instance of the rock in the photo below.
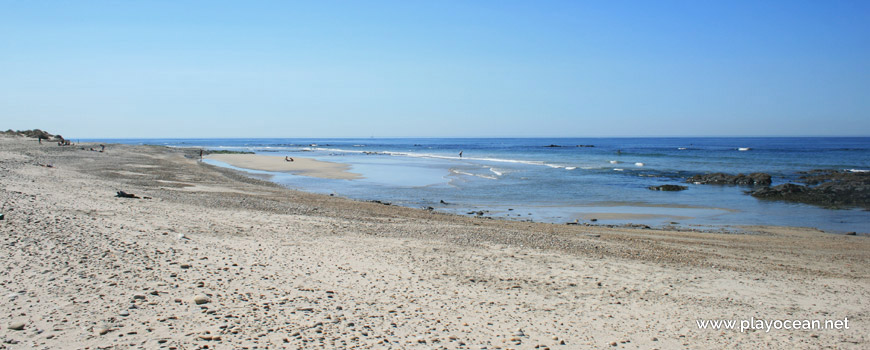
(201, 299)
(102, 330)
(138, 297)
(837, 190)
(668, 188)
(16, 326)
(755, 179)
(122, 194)
(124, 313)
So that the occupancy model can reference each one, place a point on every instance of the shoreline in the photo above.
(322, 271)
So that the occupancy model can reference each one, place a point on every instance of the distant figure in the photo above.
(102, 148)
(200, 155)
(460, 154)
(619, 151)
(40, 140)
(288, 159)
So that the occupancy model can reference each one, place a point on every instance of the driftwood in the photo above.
(122, 194)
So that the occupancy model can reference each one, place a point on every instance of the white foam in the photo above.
(570, 167)
(858, 170)
(639, 164)
(475, 175)
(437, 156)
(682, 148)
(618, 169)
(614, 162)
(744, 149)
(498, 173)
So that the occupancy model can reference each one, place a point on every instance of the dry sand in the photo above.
(299, 165)
(277, 268)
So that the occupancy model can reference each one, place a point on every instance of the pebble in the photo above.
(201, 299)
(16, 326)
(124, 313)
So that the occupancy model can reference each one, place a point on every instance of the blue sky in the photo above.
(435, 69)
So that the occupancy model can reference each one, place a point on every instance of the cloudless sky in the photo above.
(94, 69)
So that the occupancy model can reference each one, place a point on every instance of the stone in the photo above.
(16, 326)
(124, 313)
(668, 188)
(201, 299)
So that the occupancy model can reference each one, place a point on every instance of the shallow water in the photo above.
(562, 184)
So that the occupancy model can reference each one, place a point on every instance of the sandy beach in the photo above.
(208, 257)
(299, 165)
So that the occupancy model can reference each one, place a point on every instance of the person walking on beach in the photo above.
(200, 155)
(460, 154)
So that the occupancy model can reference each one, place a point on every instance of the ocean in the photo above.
(564, 180)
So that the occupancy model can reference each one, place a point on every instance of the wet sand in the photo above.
(299, 165)
(213, 257)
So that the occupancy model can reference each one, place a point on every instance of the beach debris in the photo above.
(668, 188)
(122, 194)
(16, 326)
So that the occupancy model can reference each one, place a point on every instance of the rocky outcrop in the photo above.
(754, 179)
(829, 189)
(668, 188)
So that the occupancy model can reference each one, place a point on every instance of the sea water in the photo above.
(571, 179)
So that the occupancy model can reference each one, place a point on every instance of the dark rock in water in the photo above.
(585, 145)
(853, 233)
(836, 189)
(553, 146)
(668, 188)
(758, 179)
(443, 202)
